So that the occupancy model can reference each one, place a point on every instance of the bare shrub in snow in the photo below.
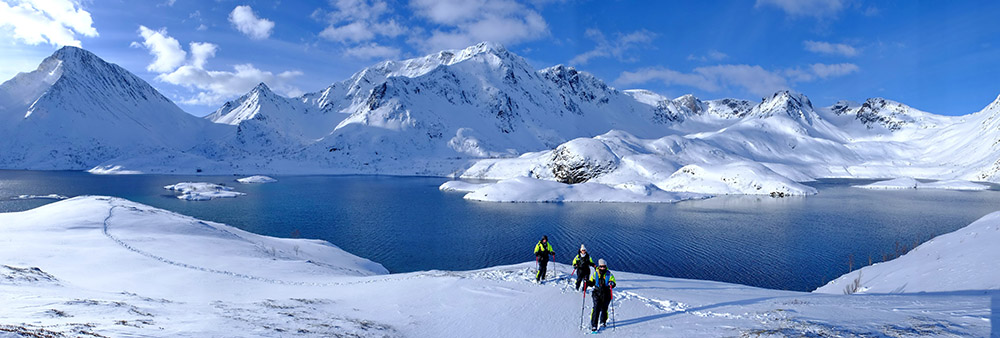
(854, 287)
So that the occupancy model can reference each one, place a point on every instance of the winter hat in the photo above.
(601, 262)
(583, 248)
(545, 237)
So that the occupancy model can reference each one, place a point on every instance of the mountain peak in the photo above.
(486, 47)
(481, 49)
(691, 103)
(790, 103)
(787, 99)
(788, 96)
(561, 68)
(76, 57)
(262, 87)
(71, 52)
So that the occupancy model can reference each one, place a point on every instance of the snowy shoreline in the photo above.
(911, 183)
(202, 191)
(113, 267)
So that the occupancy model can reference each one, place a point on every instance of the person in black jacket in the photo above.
(582, 263)
(542, 251)
(602, 281)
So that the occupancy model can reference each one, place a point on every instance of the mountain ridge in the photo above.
(441, 113)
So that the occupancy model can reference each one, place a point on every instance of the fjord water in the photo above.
(406, 224)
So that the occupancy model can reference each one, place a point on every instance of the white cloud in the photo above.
(355, 21)
(244, 19)
(201, 52)
(712, 55)
(167, 52)
(463, 23)
(806, 8)
(834, 70)
(355, 31)
(753, 79)
(448, 12)
(619, 48)
(56, 22)
(351, 10)
(213, 87)
(372, 51)
(218, 86)
(831, 48)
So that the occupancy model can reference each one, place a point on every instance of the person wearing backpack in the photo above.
(582, 263)
(602, 282)
(542, 252)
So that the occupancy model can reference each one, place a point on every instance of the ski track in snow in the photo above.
(661, 305)
(231, 273)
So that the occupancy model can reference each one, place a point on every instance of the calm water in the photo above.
(406, 224)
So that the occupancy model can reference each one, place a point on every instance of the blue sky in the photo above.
(938, 56)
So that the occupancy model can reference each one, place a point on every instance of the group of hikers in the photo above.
(602, 280)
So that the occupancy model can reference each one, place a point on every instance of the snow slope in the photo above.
(107, 266)
(961, 260)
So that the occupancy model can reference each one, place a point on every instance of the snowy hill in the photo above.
(961, 260)
(92, 266)
(76, 111)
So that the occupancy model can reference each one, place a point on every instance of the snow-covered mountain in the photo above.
(430, 115)
(481, 112)
(76, 111)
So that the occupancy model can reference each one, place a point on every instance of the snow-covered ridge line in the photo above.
(137, 270)
(482, 112)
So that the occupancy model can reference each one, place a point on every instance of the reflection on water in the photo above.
(405, 223)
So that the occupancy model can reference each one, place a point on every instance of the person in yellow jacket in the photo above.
(542, 252)
(582, 263)
(602, 281)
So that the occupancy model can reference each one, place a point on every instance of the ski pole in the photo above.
(614, 327)
(583, 304)
(538, 272)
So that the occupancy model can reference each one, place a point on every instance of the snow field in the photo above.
(112, 267)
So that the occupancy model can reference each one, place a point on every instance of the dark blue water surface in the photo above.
(406, 224)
